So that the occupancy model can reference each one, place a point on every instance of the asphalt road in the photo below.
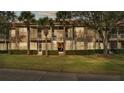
(31, 75)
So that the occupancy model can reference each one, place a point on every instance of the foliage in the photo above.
(26, 16)
(104, 22)
(43, 21)
(5, 22)
(64, 15)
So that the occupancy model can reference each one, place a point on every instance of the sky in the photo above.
(40, 14)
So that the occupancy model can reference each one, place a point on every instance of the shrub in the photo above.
(32, 52)
(68, 52)
(3, 51)
(83, 52)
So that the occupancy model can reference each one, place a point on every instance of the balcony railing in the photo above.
(114, 36)
(122, 35)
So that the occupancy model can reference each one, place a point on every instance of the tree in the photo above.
(10, 17)
(62, 17)
(103, 22)
(51, 22)
(27, 17)
(6, 18)
(44, 22)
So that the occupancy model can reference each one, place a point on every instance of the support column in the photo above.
(38, 40)
(74, 38)
(85, 39)
(9, 42)
(39, 46)
(6, 43)
(28, 40)
(17, 38)
(118, 44)
(64, 39)
(41, 39)
(94, 40)
(52, 35)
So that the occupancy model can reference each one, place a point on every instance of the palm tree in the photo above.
(10, 17)
(62, 15)
(44, 22)
(27, 17)
(40, 24)
(7, 18)
(51, 23)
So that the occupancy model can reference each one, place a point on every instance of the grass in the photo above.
(97, 64)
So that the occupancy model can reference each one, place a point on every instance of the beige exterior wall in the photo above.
(44, 46)
(23, 45)
(3, 46)
(22, 39)
(80, 45)
(58, 37)
(33, 46)
(84, 37)
(54, 45)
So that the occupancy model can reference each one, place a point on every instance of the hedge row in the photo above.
(18, 52)
(118, 51)
(68, 52)
(32, 52)
(91, 52)
(3, 51)
(83, 52)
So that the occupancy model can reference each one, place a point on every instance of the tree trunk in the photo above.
(52, 37)
(28, 42)
(37, 40)
(64, 38)
(105, 48)
(74, 38)
(118, 46)
(105, 44)
(5, 45)
(9, 42)
(94, 41)
(17, 39)
(85, 39)
(46, 50)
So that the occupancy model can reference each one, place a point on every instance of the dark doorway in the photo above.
(122, 44)
(113, 44)
(60, 46)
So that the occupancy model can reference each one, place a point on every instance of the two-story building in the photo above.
(60, 38)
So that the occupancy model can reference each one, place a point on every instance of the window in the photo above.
(121, 30)
(113, 44)
(114, 36)
(60, 27)
(122, 44)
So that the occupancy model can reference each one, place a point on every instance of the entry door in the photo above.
(40, 47)
(60, 46)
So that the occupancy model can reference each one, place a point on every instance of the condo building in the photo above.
(60, 37)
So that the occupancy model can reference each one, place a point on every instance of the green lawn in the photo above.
(85, 64)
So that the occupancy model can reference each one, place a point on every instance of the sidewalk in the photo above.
(31, 75)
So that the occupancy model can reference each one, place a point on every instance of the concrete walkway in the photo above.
(31, 75)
